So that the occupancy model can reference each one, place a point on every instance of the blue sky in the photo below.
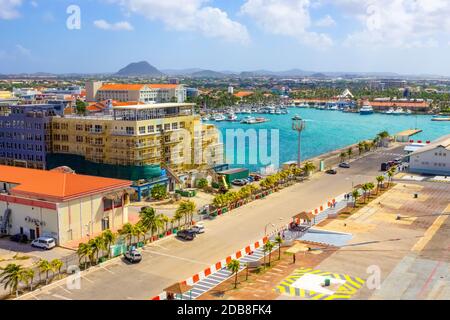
(405, 36)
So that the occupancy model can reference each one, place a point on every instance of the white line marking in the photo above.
(88, 280)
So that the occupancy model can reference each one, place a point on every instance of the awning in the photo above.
(178, 288)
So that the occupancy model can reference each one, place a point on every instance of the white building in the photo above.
(432, 159)
(230, 90)
(146, 93)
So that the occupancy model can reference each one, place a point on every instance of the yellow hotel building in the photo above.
(168, 134)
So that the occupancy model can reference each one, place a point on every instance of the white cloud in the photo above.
(118, 26)
(325, 22)
(286, 17)
(8, 9)
(397, 23)
(34, 4)
(189, 15)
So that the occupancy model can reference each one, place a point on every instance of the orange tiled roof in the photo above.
(121, 87)
(401, 104)
(243, 94)
(56, 186)
(162, 86)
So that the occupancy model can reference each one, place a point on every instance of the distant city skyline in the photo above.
(399, 36)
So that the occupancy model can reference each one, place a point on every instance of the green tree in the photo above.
(85, 251)
(234, 267)
(98, 244)
(342, 156)
(109, 238)
(202, 183)
(309, 167)
(380, 180)
(127, 231)
(355, 195)
(187, 209)
(12, 275)
(80, 107)
(159, 192)
(268, 247)
(56, 266)
(44, 267)
(350, 152)
(279, 242)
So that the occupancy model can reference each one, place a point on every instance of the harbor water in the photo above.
(330, 130)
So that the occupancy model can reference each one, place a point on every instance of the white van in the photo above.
(44, 243)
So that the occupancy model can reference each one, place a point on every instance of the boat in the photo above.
(398, 111)
(248, 120)
(219, 117)
(206, 118)
(232, 117)
(296, 117)
(439, 118)
(366, 110)
(408, 111)
(390, 111)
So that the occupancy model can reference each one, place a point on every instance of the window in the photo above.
(174, 126)
(151, 129)
(167, 127)
(141, 130)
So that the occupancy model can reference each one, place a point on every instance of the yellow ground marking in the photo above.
(318, 296)
(353, 283)
(431, 231)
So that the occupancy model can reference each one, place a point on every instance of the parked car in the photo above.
(133, 256)
(22, 238)
(256, 177)
(186, 235)
(344, 165)
(331, 171)
(250, 179)
(198, 228)
(239, 182)
(44, 243)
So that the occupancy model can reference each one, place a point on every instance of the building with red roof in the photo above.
(60, 204)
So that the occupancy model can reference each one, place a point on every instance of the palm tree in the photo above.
(279, 242)
(11, 276)
(109, 238)
(380, 180)
(44, 266)
(268, 247)
(234, 267)
(350, 152)
(139, 230)
(98, 244)
(390, 174)
(355, 195)
(127, 231)
(56, 266)
(360, 147)
(84, 251)
(309, 167)
(365, 188)
(166, 220)
(187, 209)
(178, 216)
(343, 155)
(370, 187)
(28, 276)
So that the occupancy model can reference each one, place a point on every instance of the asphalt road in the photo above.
(172, 260)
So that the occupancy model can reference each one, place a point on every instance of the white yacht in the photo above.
(366, 110)
(231, 117)
(398, 111)
(248, 120)
(390, 111)
(219, 117)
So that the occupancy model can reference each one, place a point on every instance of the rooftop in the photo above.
(56, 186)
(443, 142)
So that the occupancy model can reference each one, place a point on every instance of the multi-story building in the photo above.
(146, 93)
(58, 204)
(25, 135)
(134, 141)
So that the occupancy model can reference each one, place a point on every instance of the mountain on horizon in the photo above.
(142, 68)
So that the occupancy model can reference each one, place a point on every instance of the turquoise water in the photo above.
(330, 130)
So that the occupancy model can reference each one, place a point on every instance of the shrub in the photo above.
(159, 192)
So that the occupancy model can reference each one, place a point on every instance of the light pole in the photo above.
(270, 224)
(298, 124)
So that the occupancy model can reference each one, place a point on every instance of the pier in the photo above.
(405, 135)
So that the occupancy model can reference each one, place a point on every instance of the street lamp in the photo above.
(298, 124)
